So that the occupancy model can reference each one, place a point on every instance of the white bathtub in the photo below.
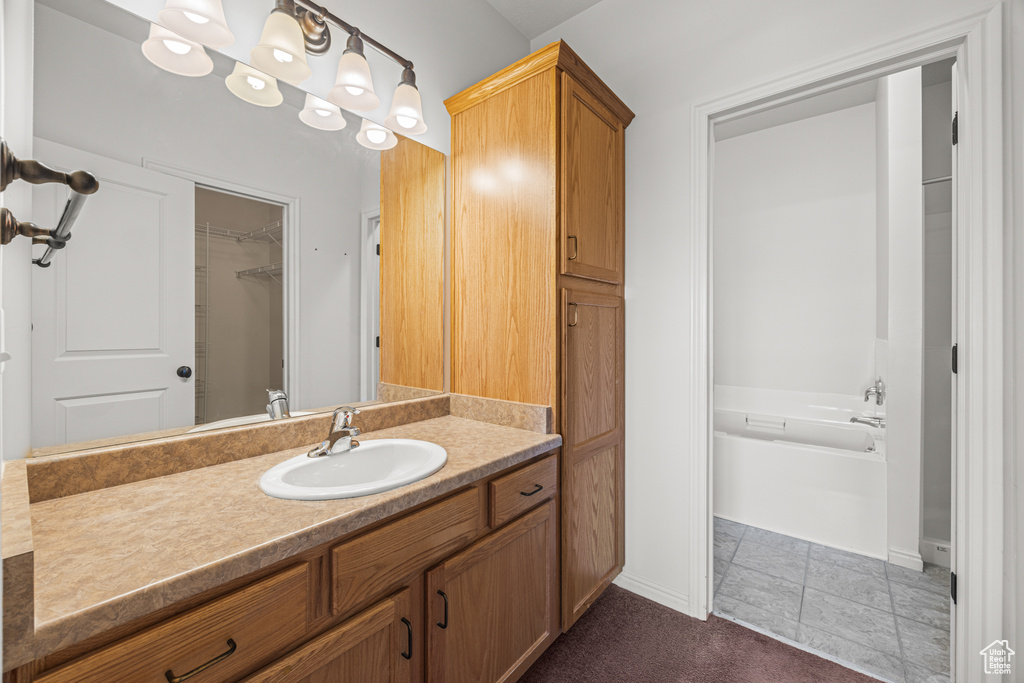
(813, 475)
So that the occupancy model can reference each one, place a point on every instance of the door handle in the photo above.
(408, 651)
(445, 624)
(184, 372)
(575, 314)
(575, 247)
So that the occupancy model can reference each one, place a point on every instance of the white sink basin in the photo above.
(374, 466)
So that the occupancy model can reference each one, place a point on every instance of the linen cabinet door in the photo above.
(374, 646)
(592, 180)
(592, 414)
(493, 608)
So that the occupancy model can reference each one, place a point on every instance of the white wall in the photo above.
(904, 401)
(127, 109)
(794, 255)
(668, 57)
(452, 43)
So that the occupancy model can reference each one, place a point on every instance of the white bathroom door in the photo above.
(954, 393)
(113, 317)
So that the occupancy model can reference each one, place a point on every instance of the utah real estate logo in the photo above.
(998, 657)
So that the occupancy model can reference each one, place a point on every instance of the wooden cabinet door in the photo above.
(592, 180)
(493, 608)
(375, 646)
(592, 415)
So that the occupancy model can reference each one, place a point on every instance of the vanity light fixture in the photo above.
(406, 114)
(375, 136)
(201, 21)
(353, 88)
(254, 86)
(282, 50)
(176, 54)
(321, 114)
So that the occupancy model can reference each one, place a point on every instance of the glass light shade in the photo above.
(282, 49)
(171, 52)
(353, 88)
(373, 136)
(201, 21)
(406, 114)
(321, 114)
(255, 87)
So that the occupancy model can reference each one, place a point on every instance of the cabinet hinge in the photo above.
(952, 586)
(954, 354)
(955, 115)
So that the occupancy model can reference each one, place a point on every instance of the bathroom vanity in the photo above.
(454, 577)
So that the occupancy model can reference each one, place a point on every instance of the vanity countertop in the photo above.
(106, 557)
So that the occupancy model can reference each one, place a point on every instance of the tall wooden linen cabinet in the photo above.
(537, 277)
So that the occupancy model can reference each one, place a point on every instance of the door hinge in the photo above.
(378, 250)
(954, 353)
(952, 586)
(955, 115)
(378, 342)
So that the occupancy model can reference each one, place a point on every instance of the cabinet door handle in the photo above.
(171, 678)
(408, 653)
(575, 314)
(533, 492)
(445, 624)
(575, 247)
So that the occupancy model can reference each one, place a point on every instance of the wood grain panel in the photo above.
(412, 196)
(502, 603)
(592, 221)
(517, 492)
(384, 559)
(261, 619)
(592, 367)
(365, 649)
(504, 305)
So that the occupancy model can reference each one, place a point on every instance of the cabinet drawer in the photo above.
(516, 493)
(380, 561)
(241, 630)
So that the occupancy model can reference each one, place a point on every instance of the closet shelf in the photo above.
(271, 270)
(265, 233)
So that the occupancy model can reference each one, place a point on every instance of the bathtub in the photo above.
(804, 471)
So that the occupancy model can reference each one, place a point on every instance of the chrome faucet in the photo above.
(877, 390)
(340, 437)
(876, 422)
(277, 409)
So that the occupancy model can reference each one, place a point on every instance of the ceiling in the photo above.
(534, 17)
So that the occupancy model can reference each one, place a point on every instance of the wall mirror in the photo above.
(232, 249)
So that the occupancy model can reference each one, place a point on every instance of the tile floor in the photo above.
(890, 621)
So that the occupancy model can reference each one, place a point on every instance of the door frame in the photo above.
(976, 41)
(369, 319)
(292, 219)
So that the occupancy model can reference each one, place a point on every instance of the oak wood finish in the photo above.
(383, 560)
(412, 266)
(365, 649)
(262, 619)
(593, 463)
(504, 304)
(517, 492)
(502, 603)
(591, 221)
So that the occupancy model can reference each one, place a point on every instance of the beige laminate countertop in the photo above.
(104, 558)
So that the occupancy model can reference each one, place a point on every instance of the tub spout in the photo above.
(877, 422)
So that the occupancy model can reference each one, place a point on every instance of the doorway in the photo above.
(239, 308)
(975, 42)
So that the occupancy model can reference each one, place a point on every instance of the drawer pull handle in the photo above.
(408, 653)
(445, 624)
(575, 247)
(171, 678)
(533, 492)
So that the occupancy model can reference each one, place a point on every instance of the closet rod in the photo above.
(932, 181)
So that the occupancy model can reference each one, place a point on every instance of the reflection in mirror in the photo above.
(232, 249)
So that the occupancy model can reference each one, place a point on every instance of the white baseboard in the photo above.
(935, 552)
(905, 558)
(654, 591)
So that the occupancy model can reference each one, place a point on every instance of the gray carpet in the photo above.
(624, 637)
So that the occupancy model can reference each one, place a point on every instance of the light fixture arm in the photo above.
(321, 14)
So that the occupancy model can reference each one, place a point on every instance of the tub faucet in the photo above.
(340, 437)
(877, 390)
(277, 409)
(876, 422)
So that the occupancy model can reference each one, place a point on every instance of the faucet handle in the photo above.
(346, 413)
